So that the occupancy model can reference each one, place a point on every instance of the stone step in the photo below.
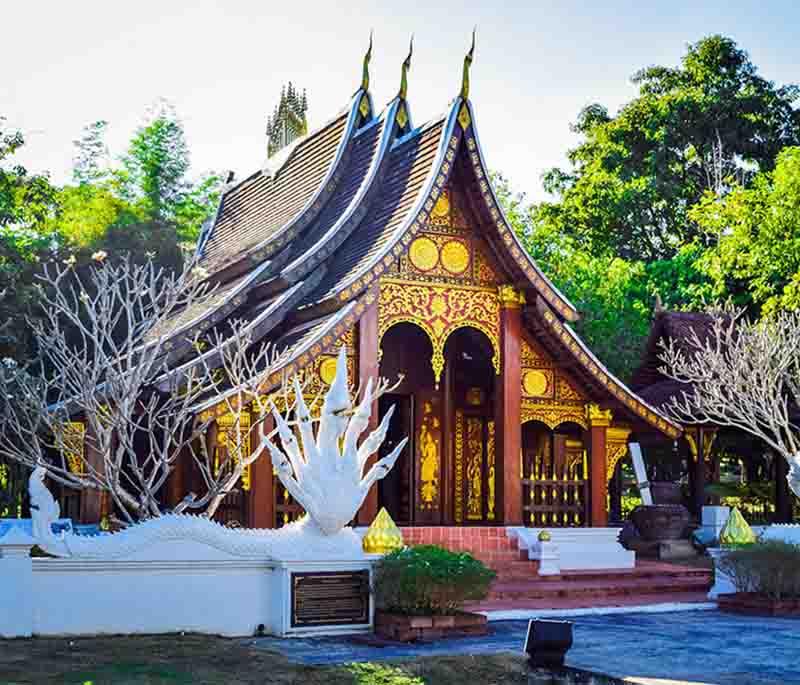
(537, 589)
(586, 602)
(643, 570)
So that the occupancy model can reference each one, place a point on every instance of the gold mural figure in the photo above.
(474, 468)
(429, 457)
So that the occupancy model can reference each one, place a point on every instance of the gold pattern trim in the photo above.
(552, 414)
(234, 436)
(490, 468)
(598, 417)
(74, 441)
(510, 297)
(709, 436)
(616, 448)
(474, 468)
(440, 310)
(458, 479)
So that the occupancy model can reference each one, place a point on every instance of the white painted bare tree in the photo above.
(104, 340)
(742, 374)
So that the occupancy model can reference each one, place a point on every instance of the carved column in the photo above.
(369, 367)
(599, 421)
(507, 406)
(701, 440)
(262, 498)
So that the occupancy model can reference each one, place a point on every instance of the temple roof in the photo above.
(296, 248)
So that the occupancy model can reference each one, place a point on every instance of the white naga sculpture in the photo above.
(325, 477)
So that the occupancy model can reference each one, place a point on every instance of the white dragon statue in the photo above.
(325, 476)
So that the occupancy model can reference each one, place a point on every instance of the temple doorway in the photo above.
(469, 386)
(410, 492)
(446, 474)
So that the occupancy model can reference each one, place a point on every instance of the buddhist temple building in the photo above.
(383, 235)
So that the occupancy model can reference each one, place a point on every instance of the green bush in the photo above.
(768, 568)
(428, 579)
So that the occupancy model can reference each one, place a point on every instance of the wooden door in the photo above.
(474, 468)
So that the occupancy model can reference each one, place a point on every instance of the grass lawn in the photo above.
(201, 659)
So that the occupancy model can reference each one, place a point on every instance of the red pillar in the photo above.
(507, 408)
(599, 421)
(262, 498)
(369, 367)
(94, 503)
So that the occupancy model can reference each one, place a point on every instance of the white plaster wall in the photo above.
(94, 597)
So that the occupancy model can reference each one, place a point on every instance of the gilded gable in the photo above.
(449, 249)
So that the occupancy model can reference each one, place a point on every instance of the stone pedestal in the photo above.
(723, 585)
(713, 520)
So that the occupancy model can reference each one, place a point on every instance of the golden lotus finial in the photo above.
(467, 65)
(404, 70)
(365, 68)
(736, 531)
(383, 536)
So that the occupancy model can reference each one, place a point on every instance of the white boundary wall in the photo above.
(183, 586)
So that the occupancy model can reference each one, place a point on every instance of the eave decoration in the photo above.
(440, 310)
(553, 414)
(234, 436)
(616, 448)
(74, 445)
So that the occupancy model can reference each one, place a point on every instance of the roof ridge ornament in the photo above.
(365, 68)
(467, 65)
(404, 70)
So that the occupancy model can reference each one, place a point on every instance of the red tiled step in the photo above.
(537, 589)
(584, 602)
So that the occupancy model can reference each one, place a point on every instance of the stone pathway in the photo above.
(688, 647)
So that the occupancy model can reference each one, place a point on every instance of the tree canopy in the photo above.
(698, 127)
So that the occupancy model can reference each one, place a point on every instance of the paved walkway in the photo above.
(691, 647)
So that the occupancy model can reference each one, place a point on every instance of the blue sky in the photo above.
(222, 65)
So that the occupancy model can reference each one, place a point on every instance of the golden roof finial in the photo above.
(467, 64)
(404, 70)
(365, 72)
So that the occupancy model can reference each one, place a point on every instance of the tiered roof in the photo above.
(297, 248)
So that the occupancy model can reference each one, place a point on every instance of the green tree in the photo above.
(614, 296)
(91, 154)
(691, 129)
(756, 255)
(154, 175)
(26, 200)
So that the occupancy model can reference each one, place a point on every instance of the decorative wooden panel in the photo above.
(428, 459)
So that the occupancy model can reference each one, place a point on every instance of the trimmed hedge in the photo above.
(429, 580)
(771, 569)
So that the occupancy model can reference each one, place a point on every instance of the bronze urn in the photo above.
(659, 522)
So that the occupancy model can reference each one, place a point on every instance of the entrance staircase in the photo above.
(518, 585)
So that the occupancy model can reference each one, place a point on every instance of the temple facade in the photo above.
(384, 236)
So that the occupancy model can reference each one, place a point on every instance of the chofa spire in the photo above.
(404, 70)
(365, 70)
(467, 65)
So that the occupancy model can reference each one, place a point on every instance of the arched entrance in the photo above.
(447, 473)
(469, 385)
(554, 472)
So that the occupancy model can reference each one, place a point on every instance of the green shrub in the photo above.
(429, 580)
(768, 568)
